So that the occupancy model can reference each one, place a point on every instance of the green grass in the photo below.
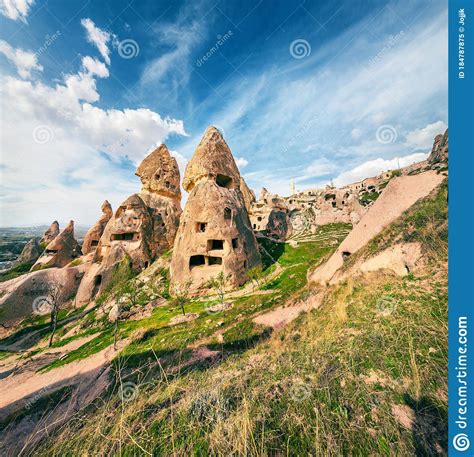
(327, 384)
(15, 272)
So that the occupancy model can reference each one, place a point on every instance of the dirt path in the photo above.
(25, 381)
(283, 315)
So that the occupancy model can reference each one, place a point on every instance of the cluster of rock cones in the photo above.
(212, 235)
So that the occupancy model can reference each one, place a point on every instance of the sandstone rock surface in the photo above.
(439, 152)
(20, 296)
(143, 226)
(61, 251)
(92, 237)
(214, 234)
(211, 162)
(399, 195)
(30, 253)
(50, 234)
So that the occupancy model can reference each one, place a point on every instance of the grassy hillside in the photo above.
(364, 374)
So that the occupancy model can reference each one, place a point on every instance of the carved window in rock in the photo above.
(94, 243)
(227, 213)
(51, 251)
(196, 260)
(259, 218)
(201, 227)
(125, 236)
(333, 204)
(224, 181)
(215, 260)
(215, 245)
(235, 243)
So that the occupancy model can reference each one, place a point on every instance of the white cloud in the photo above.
(377, 166)
(356, 133)
(16, 9)
(423, 138)
(98, 37)
(95, 67)
(25, 61)
(317, 168)
(62, 155)
(241, 162)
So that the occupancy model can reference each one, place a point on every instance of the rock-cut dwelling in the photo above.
(143, 226)
(214, 234)
(62, 250)
(92, 237)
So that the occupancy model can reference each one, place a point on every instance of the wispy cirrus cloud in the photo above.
(98, 37)
(16, 9)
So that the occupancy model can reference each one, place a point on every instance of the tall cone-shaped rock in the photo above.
(92, 237)
(143, 226)
(50, 234)
(214, 234)
(212, 160)
(61, 251)
(248, 194)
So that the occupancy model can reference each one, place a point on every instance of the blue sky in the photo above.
(315, 91)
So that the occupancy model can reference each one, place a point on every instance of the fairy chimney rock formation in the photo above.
(247, 193)
(61, 251)
(92, 237)
(143, 226)
(50, 234)
(214, 234)
(212, 160)
(159, 173)
(30, 252)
